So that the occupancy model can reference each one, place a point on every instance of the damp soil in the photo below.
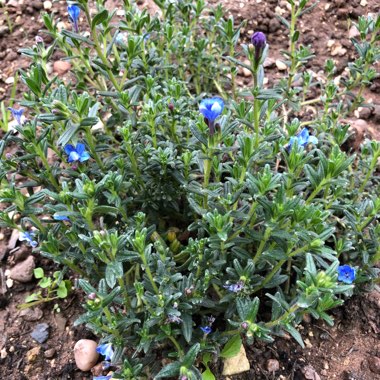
(350, 350)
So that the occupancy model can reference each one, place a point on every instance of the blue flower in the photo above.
(17, 114)
(102, 378)
(77, 153)
(303, 138)
(28, 236)
(211, 108)
(105, 350)
(61, 218)
(74, 11)
(235, 287)
(206, 329)
(346, 274)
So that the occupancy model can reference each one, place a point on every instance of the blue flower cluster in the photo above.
(303, 139)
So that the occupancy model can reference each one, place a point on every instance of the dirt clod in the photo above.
(32, 355)
(273, 365)
(374, 364)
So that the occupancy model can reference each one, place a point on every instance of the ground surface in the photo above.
(349, 351)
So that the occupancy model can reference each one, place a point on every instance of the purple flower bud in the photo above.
(258, 41)
(171, 107)
(91, 296)
(39, 40)
(244, 325)
(8, 156)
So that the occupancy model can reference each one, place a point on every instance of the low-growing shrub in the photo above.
(195, 214)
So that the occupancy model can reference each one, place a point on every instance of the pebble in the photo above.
(269, 62)
(281, 65)
(246, 73)
(3, 30)
(273, 365)
(85, 354)
(236, 364)
(363, 3)
(3, 353)
(376, 113)
(13, 239)
(33, 354)
(48, 5)
(310, 373)
(9, 80)
(49, 353)
(23, 272)
(9, 283)
(61, 67)
(31, 314)
(60, 321)
(353, 32)
(374, 364)
(40, 333)
(364, 113)
(338, 50)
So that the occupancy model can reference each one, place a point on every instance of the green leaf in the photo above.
(62, 291)
(208, 375)
(114, 270)
(232, 347)
(99, 18)
(170, 370)
(187, 327)
(45, 282)
(38, 273)
(191, 355)
(295, 334)
(32, 297)
(70, 131)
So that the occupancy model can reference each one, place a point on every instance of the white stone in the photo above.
(330, 43)
(10, 80)
(85, 354)
(48, 5)
(237, 364)
(281, 65)
(363, 3)
(9, 283)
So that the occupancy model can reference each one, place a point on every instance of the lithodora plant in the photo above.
(195, 216)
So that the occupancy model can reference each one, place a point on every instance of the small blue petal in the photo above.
(84, 156)
(61, 218)
(105, 350)
(102, 377)
(206, 329)
(17, 114)
(69, 148)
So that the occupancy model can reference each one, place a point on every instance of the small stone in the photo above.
(236, 364)
(3, 353)
(9, 283)
(363, 3)
(49, 353)
(85, 354)
(13, 239)
(374, 364)
(376, 113)
(308, 343)
(120, 12)
(48, 5)
(353, 32)
(281, 65)
(338, 50)
(31, 314)
(330, 43)
(273, 365)
(310, 373)
(269, 62)
(40, 333)
(33, 354)
(246, 73)
(364, 112)
(3, 30)
(37, 4)
(10, 80)
(2, 236)
(23, 272)
(61, 67)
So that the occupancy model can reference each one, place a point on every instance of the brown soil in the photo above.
(349, 351)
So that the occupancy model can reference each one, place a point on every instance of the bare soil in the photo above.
(348, 351)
